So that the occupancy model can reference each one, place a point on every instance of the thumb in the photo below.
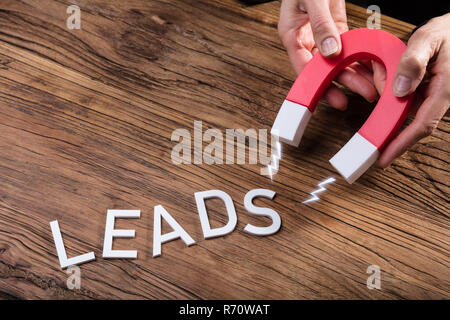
(325, 32)
(413, 64)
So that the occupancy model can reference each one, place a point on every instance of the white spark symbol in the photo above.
(272, 168)
(321, 188)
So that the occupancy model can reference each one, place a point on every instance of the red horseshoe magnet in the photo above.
(363, 149)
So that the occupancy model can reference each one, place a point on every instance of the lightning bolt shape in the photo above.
(321, 188)
(272, 168)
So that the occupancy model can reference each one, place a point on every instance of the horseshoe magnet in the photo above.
(363, 149)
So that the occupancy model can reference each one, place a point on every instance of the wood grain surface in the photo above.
(86, 118)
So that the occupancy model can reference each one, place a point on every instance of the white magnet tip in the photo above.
(355, 158)
(291, 122)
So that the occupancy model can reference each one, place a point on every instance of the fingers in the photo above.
(295, 34)
(337, 9)
(290, 17)
(425, 44)
(427, 118)
(299, 57)
(422, 46)
(359, 79)
(356, 78)
(300, 40)
(326, 34)
(358, 83)
(336, 98)
(379, 76)
(364, 69)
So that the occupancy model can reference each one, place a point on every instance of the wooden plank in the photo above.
(356, 16)
(86, 120)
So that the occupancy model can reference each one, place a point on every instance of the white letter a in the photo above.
(178, 232)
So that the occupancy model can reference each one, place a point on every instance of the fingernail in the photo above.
(329, 46)
(383, 167)
(402, 86)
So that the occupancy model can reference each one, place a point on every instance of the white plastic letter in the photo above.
(111, 233)
(61, 250)
(178, 232)
(200, 198)
(272, 214)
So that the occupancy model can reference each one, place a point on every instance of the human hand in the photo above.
(308, 26)
(425, 69)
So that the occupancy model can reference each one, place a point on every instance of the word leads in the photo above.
(178, 232)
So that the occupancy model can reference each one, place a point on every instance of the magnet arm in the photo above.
(387, 116)
(357, 45)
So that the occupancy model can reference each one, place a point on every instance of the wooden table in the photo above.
(86, 121)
